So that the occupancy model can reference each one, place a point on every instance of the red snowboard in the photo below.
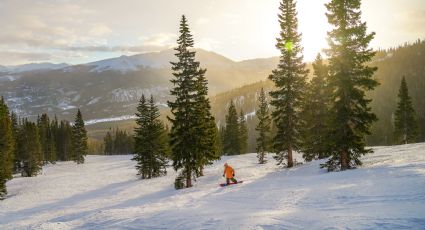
(224, 184)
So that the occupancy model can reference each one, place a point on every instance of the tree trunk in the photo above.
(188, 178)
(290, 159)
(201, 171)
(344, 160)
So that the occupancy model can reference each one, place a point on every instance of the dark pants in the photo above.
(231, 179)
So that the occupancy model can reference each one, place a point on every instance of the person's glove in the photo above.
(223, 175)
(233, 174)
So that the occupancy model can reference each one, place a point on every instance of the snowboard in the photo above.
(224, 184)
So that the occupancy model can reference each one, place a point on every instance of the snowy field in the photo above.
(388, 192)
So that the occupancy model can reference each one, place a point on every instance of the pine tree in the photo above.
(222, 134)
(79, 139)
(64, 141)
(406, 126)
(6, 148)
(231, 142)
(189, 151)
(289, 79)
(46, 138)
(29, 148)
(150, 148)
(108, 144)
(243, 133)
(54, 130)
(206, 133)
(350, 78)
(316, 114)
(263, 128)
(15, 128)
(166, 139)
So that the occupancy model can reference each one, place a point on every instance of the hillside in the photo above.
(104, 193)
(407, 60)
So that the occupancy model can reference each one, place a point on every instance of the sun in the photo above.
(313, 25)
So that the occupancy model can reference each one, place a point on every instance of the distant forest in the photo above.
(407, 60)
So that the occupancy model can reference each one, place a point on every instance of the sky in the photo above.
(80, 31)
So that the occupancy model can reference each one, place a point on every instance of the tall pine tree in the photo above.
(191, 120)
(150, 146)
(263, 128)
(29, 149)
(206, 132)
(108, 145)
(231, 141)
(7, 146)
(15, 129)
(64, 141)
(243, 133)
(54, 129)
(46, 138)
(406, 126)
(350, 78)
(289, 79)
(79, 139)
(316, 114)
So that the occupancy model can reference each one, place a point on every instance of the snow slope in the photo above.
(388, 192)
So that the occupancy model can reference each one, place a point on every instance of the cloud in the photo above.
(125, 49)
(100, 30)
(85, 30)
(203, 21)
(159, 40)
(48, 24)
(12, 57)
(155, 42)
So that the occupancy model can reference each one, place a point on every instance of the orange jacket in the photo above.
(228, 172)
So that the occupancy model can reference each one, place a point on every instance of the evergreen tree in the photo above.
(118, 142)
(46, 138)
(166, 139)
(231, 142)
(29, 149)
(6, 148)
(289, 79)
(189, 150)
(205, 129)
(79, 139)
(263, 128)
(15, 128)
(150, 148)
(64, 141)
(243, 133)
(222, 134)
(108, 144)
(219, 140)
(316, 114)
(406, 126)
(54, 130)
(350, 78)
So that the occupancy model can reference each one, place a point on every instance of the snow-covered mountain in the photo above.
(133, 63)
(111, 88)
(31, 67)
(387, 192)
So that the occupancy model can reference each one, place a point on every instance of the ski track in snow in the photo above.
(387, 192)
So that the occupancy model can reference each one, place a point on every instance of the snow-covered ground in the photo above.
(387, 192)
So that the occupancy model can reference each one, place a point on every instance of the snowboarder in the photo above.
(229, 173)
